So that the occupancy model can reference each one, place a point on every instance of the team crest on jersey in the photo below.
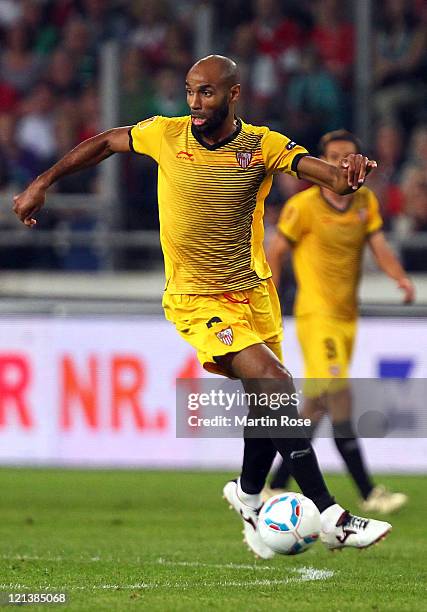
(244, 158)
(334, 370)
(226, 336)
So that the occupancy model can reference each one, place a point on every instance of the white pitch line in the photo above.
(307, 574)
(311, 573)
(233, 566)
(159, 561)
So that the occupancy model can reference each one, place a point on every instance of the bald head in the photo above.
(216, 69)
(212, 92)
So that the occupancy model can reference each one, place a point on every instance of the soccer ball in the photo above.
(289, 523)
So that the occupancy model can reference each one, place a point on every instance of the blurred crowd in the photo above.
(296, 59)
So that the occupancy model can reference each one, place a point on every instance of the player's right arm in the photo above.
(278, 251)
(280, 154)
(88, 153)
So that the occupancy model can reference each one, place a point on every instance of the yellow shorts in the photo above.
(327, 346)
(227, 322)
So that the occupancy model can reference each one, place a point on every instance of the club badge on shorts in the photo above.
(244, 158)
(225, 336)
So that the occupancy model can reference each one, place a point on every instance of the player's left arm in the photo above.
(344, 179)
(388, 263)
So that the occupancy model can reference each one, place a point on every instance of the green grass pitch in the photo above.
(134, 540)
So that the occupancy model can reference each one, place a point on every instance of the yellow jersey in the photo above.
(211, 201)
(328, 249)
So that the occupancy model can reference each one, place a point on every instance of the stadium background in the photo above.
(87, 365)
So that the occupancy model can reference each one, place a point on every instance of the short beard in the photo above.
(215, 122)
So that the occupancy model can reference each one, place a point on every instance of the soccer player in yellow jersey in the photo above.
(214, 174)
(326, 234)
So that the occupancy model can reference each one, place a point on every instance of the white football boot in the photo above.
(383, 501)
(249, 517)
(341, 529)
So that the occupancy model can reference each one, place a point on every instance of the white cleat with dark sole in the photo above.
(249, 517)
(340, 529)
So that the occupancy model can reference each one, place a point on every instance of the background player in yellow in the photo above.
(326, 234)
(214, 174)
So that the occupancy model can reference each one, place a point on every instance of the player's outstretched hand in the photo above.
(408, 289)
(28, 203)
(356, 168)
